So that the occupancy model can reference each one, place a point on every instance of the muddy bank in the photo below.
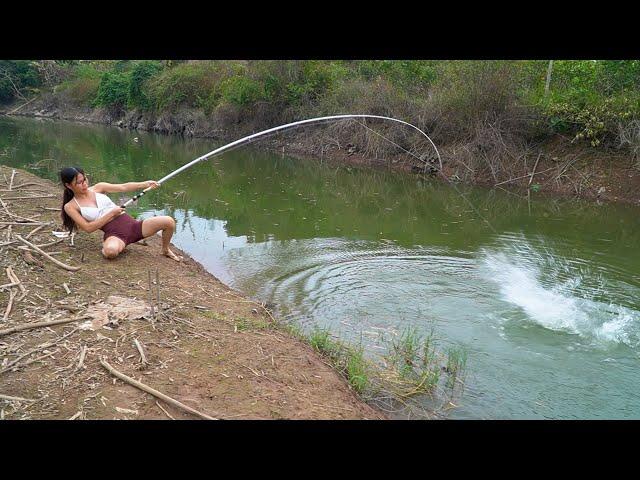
(555, 166)
(203, 344)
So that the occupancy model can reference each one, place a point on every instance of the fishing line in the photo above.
(250, 138)
(439, 171)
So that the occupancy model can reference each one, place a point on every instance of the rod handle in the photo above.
(131, 200)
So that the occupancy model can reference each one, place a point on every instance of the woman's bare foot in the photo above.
(171, 255)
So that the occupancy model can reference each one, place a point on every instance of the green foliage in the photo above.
(313, 79)
(349, 360)
(403, 73)
(456, 364)
(80, 91)
(23, 74)
(356, 368)
(241, 90)
(113, 90)
(592, 99)
(140, 73)
(192, 84)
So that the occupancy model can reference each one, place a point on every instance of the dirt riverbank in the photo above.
(203, 344)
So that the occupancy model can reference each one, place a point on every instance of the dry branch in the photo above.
(38, 348)
(143, 357)
(12, 295)
(32, 196)
(37, 229)
(167, 413)
(82, 355)
(30, 326)
(14, 278)
(47, 256)
(534, 170)
(15, 399)
(153, 392)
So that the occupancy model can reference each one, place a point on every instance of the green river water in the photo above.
(547, 306)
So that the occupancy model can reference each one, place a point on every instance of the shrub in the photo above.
(402, 73)
(140, 73)
(193, 84)
(81, 91)
(20, 74)
(113, 90)
(241, 90)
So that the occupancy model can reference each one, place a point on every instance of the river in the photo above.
(544, 297)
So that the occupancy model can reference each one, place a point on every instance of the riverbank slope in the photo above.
(202, 344)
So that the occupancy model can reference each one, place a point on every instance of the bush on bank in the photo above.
(595, 102)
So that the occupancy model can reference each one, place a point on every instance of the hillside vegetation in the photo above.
(491, 109)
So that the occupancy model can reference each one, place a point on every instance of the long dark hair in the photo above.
(66, 176)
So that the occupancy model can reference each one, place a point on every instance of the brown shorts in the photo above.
(125, 227)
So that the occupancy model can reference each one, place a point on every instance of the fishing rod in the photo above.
(252, 137)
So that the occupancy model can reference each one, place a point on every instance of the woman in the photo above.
(89, 209)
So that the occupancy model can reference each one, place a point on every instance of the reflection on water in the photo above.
(548, 307)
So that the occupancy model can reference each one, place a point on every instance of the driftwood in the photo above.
(29, 224)
(76, 415)
(14, 278)
(15, 399)
(30, 326)
(153, 392)
(33, 196)
(143, 357)
(166, 413)
(15, 187)
(12, 295)
(83, 353)
(18, 108)
(37, 229)
(47, 256)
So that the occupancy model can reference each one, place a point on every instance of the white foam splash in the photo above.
(561, 306)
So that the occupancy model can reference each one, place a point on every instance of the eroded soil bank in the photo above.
(209, 347)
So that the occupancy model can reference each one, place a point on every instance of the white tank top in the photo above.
(93, 213)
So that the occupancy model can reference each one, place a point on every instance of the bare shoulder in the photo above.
(70, 206)
(98, 187)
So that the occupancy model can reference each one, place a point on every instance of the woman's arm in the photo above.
(89, 227)
(104, 187)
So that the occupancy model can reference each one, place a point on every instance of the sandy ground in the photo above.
(210, 348)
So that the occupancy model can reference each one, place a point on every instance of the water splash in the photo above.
(560, 294)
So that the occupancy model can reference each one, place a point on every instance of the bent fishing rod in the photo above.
(250, 138)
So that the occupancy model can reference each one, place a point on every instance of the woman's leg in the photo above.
(151, 226)
(112, 247)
